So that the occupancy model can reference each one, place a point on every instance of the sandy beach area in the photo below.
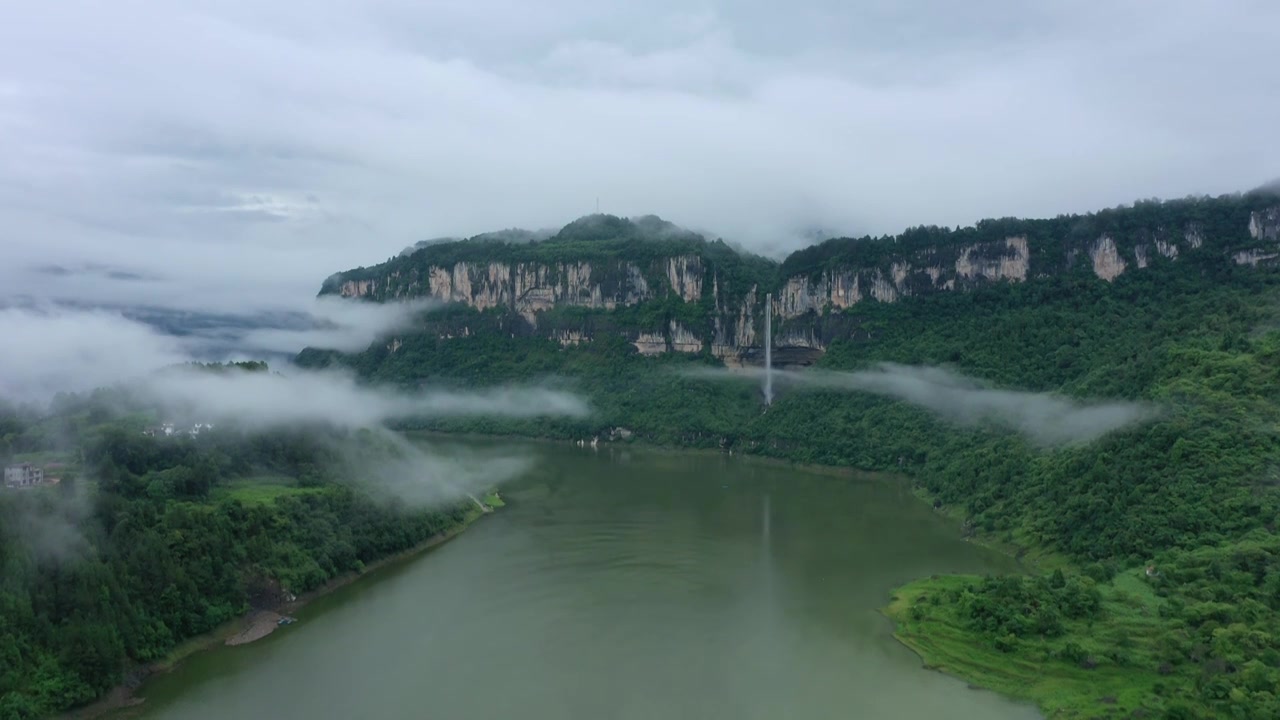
(258, 624)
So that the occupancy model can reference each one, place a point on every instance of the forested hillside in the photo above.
(670, 291)
(149, 540)
(1193, 493)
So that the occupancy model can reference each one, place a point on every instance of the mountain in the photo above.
(695, 295)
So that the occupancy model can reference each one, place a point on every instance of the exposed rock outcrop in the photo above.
(570, 337)
(650, 343)
(684, 276)
(924, 272)
(682, 340)
(1253, 257)
(977, 261)
(1107, 263)
(1265, 224)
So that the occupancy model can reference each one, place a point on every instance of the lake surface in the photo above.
(622, 584)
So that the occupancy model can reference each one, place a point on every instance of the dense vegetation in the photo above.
(1218, 219)
(1194, 492)
(148, 541)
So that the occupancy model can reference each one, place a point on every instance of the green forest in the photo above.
(148, 541)
(1153, 564)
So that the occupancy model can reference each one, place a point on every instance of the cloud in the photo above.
(1044, 418)
(242, 152)
(50, 350)
(56, 349)
(301, 397)
(424, 474)
(339, 324)
(91, 269)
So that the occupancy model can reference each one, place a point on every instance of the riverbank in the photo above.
(252, 626)
(643, 445)
(1092, 668)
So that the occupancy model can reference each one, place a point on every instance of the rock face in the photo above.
(925, 271)
(1253, 257)
(1107, 263)
(1265, 224)
(526, 288)
(650, 343)
(572, 302)
(683, 340)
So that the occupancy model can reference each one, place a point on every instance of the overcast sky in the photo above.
(230, 155)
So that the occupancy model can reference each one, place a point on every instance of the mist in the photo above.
(59, 348)
(1044, 418)
(426, 474)
(51, 350)
(55, 349)
(262, 400)
(49, 525)
(339, 324)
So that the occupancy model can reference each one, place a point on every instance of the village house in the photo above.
(23, 475)
(165, 430)
(169, 430)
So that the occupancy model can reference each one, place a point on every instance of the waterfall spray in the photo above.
(768, 349)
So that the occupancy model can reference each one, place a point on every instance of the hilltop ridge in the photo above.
(701, 296)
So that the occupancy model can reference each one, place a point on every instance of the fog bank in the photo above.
(1044, 418)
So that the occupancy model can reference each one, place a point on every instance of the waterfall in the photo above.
(768, 349)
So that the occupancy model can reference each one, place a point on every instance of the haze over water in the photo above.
(625, 584)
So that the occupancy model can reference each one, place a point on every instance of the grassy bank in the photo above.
(1098, 667)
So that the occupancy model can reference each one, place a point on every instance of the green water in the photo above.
(622, 584)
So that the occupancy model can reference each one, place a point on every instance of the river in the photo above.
(622, 584)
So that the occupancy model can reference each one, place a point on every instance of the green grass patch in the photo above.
(46, 457)
(1119, 677)
(493, 501)
(261, 489)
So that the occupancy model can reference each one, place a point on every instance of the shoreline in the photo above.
(647, 446)
(258, 623)
(250, 627)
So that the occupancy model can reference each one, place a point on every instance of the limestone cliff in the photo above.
(666, 290)
(1265, 224)
(526, 288)
(930, 269)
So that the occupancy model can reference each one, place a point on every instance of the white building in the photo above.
(23, 475)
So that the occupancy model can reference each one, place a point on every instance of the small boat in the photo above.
(286, 621)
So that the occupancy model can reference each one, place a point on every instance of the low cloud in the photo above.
(423, 474)
(57, 348)
(302, 397)
(1044, 418)
(53, 349)
(82, 270)
(339, 324)
(50, 350)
